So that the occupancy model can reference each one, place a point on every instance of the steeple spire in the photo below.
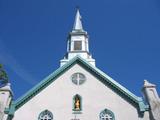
(78, 43)
(77, 22)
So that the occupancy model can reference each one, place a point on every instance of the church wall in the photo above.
(58, 98)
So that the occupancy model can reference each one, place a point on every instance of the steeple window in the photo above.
(77, 45)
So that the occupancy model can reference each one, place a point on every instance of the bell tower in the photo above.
(78, 42)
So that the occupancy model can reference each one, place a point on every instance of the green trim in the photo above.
(11, 110)
(137, 101)
(42, 85)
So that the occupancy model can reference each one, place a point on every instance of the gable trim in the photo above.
(138, 101)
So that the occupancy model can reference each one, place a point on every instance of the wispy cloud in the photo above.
(7, 59)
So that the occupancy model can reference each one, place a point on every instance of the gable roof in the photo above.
(108, 81)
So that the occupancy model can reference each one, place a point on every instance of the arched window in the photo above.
(77, 103)
(107, 115)
(45, 115)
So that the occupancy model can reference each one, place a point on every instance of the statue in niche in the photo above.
(77, 103)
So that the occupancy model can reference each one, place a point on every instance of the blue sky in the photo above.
(124, 39)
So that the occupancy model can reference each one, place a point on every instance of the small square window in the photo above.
(77, 45)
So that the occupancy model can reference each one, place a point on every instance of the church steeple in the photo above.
(77, 22)
(77, 43)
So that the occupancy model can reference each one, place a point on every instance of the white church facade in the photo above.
(78, 90)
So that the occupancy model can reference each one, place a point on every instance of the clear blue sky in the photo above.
(124, 39)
